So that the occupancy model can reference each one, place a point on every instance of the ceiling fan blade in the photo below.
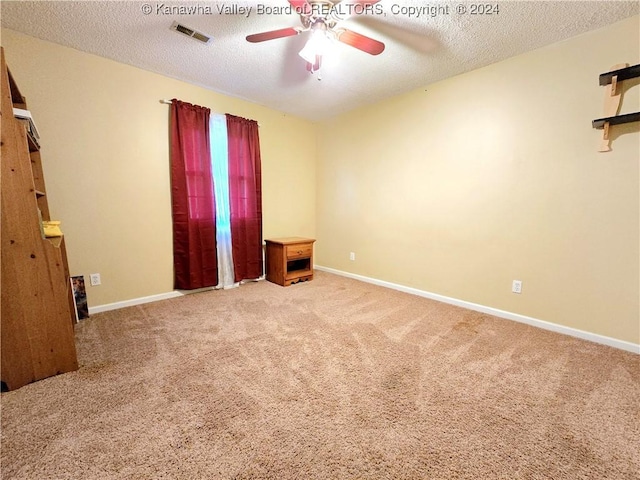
(361, 42)
(301, 6)
(264, 36)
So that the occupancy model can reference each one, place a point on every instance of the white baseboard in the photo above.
(161, 296)
(134, 301)
(554, 327)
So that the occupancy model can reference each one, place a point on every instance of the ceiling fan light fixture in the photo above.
(316, 46)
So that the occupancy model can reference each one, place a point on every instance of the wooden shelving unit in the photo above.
(37, 302)
(620, 74)
(599, 123)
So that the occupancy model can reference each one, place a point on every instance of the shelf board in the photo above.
(622, 74)
(40, 194)
(298, 273)
(616, 120)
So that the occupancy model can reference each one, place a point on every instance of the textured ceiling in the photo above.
(419, 50)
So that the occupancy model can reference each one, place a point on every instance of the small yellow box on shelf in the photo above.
(51, 228)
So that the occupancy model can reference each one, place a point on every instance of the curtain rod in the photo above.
(168, 102)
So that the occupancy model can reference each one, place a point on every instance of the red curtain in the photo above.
(193, 203)
(245, 196)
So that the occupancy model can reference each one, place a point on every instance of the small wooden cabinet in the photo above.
(289, 260)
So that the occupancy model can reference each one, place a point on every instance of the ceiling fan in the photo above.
(321, 18)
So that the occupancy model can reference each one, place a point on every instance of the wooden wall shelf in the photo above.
(622, 74)
(612, 99)
(616, 120)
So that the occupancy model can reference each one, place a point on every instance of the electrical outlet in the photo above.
(516, 286)
(352, 256)
(95, 279)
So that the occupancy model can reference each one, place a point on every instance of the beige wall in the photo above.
(465, 185)
(105, 154)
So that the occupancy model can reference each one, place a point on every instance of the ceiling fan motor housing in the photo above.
(320, 12)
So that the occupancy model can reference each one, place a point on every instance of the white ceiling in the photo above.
(418, 51)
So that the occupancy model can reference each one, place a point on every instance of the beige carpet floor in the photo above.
(331, 379)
